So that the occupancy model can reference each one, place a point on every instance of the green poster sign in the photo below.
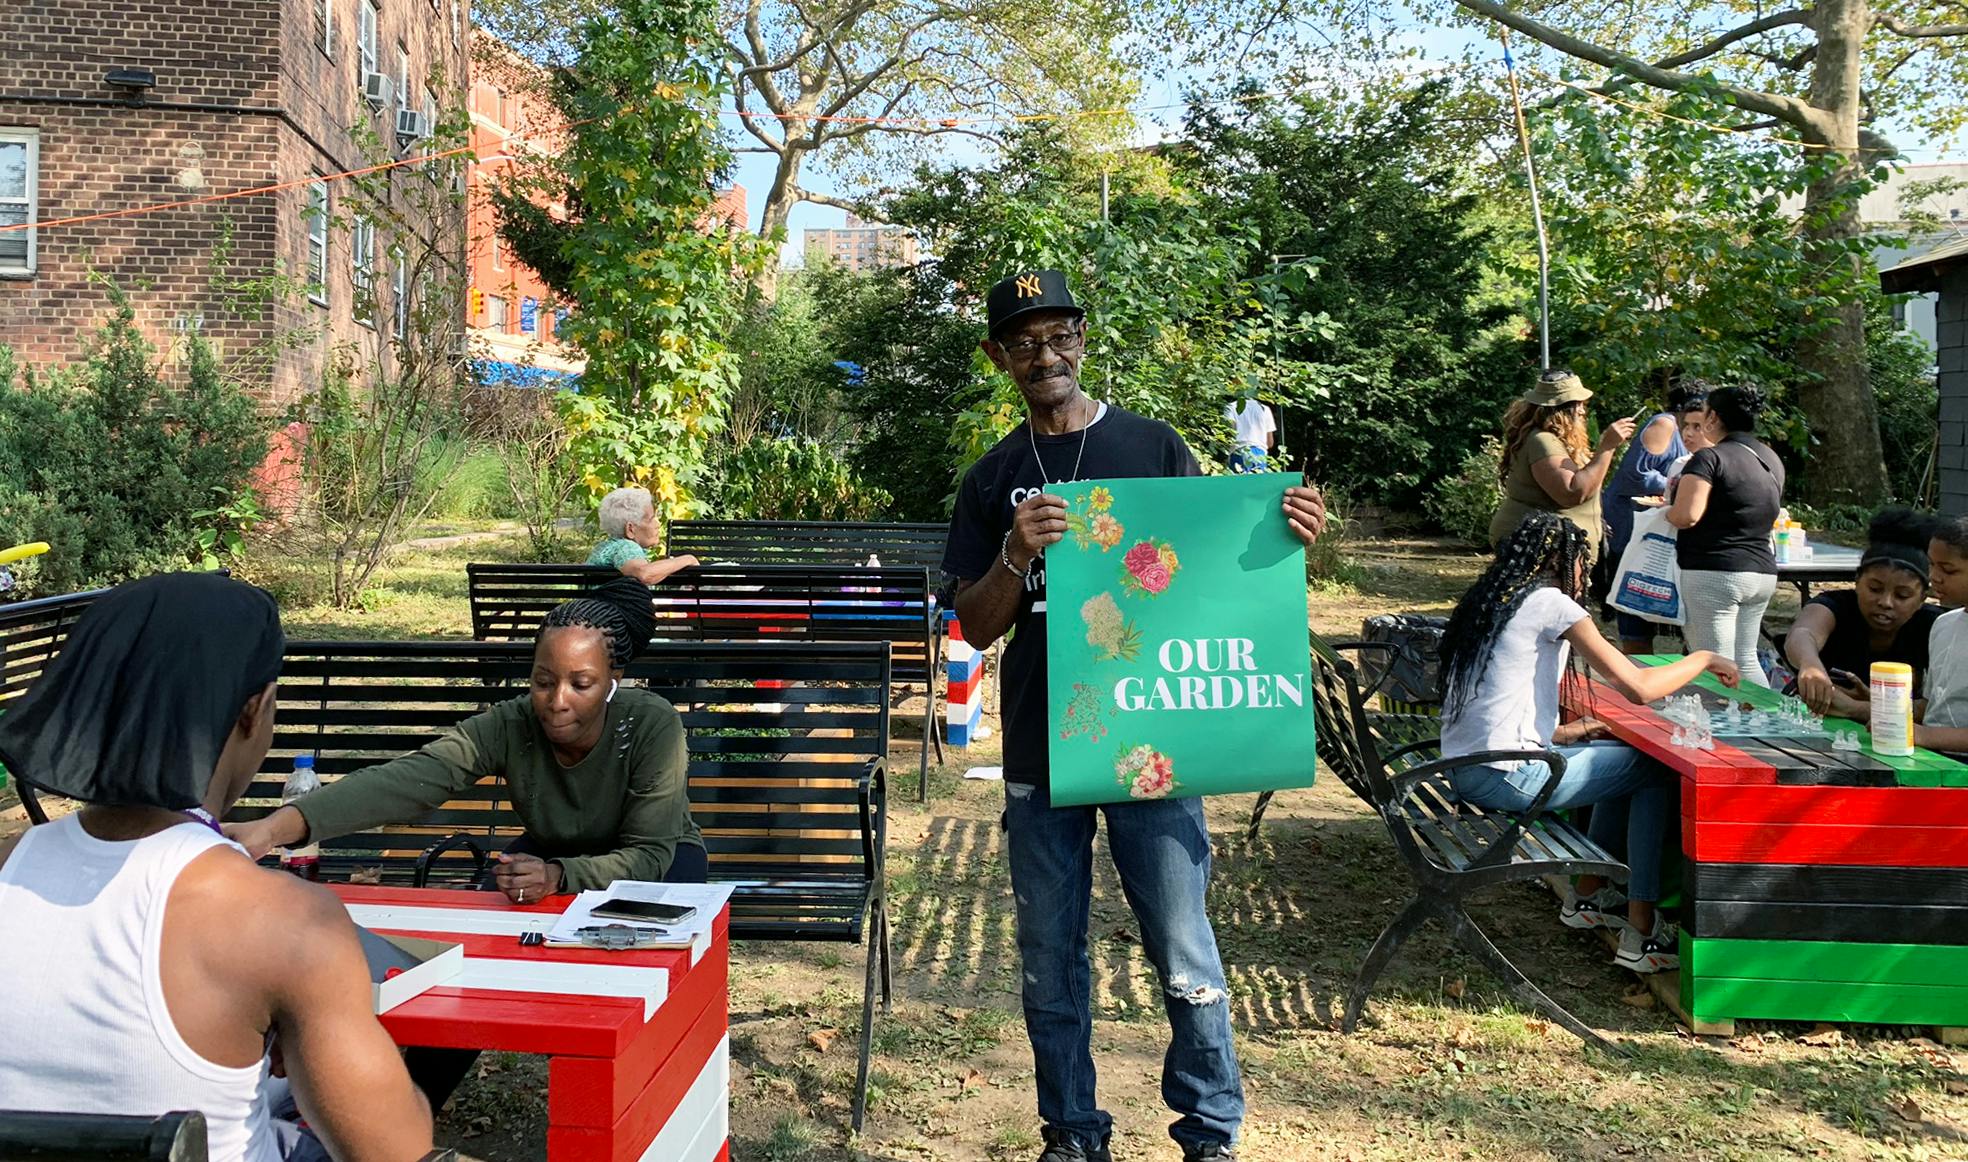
(1176, 641)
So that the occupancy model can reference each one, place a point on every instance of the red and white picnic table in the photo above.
(640, 1054)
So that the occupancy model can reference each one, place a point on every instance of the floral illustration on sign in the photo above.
(1086, 714)
(1146, 772)
(1108, 631)
(1149, 567)
(1097, 525)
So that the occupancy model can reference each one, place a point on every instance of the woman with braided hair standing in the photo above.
(595, 770)
(1504, 653)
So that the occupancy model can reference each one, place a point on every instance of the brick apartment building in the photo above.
(510, 312)
(861, 247)
(109, 106)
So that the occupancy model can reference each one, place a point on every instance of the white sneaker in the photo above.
(1655, 952)
(1605, 908)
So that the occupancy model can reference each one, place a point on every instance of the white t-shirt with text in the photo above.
(1515, 706)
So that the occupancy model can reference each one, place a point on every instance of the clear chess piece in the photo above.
(1845, 740)
(1679, 737)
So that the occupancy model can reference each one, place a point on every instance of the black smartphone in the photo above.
(642, 911)
(1846, 679)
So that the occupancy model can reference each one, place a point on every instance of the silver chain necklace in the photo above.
(1043, 474)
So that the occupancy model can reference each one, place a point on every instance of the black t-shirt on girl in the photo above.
(1733, 535)
(1118, 445)
(1850, 646)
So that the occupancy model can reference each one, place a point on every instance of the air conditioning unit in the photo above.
(411, 125)
(376, 89)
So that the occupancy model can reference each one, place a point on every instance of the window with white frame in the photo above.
(362, 267)
(324, 27)
(365, 38)
(400, 294)
(317, 228)
(497, 311)
(402, 77)
(20, 161)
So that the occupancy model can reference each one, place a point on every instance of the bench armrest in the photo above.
(455, 840)
(1405, 782)
(874, 812)
(1385, 673)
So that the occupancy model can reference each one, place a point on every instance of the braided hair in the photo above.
(620, 610)
(1546, 549)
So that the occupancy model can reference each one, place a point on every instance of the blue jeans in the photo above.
(1633, 801)
(1161, 849)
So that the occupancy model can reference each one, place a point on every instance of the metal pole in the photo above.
(1537, 209)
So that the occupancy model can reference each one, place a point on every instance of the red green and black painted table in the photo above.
(1822, 884)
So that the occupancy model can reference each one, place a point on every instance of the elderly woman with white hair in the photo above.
(628, 520)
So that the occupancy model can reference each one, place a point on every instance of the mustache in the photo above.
(1062, 372)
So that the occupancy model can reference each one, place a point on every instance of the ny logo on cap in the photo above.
(1028, 286)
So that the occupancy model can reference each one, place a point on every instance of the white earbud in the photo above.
(612, 684)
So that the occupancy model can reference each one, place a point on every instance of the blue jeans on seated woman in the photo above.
(1633, 801)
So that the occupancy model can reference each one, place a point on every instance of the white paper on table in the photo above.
(693, 933)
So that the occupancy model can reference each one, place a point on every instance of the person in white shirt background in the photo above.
(1257, 434)
(1943, 722)
(1504, 656)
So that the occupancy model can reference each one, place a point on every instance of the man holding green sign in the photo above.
(1007, 515)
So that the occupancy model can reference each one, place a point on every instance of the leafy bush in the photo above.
(1901, 369)
(119, 468)
(1463, 504)
(467, 482)
(790, 479)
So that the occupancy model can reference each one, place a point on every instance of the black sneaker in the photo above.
(1209, 1152)
(1063, 1147)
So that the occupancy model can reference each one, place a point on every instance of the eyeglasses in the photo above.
(1064, 343)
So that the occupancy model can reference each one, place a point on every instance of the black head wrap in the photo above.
(1899, 537)
(137, 707)
(620, 610)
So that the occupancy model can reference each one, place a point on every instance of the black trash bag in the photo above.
(1415, 662)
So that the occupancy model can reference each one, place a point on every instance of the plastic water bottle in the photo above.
(304, 862)
(1783, 543)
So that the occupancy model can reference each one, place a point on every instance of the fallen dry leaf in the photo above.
(1639, 998)
(821, 1039)
(1955, 1085)
(1909, 1109)
(1455, 988)
(1541, 1028)
(972, 1080)
(1823, 1035)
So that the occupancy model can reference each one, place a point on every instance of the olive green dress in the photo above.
(1523, 495)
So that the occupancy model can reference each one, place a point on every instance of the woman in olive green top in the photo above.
(1548, 466)
(595, 770)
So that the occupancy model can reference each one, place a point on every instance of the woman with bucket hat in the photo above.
(1548, 464)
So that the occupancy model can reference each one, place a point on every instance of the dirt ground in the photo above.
(1445, 1066)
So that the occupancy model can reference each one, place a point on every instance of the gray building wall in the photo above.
(1951, 337)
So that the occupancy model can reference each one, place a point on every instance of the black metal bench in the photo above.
(787, 782)
(1451, 849)
(800, 542)
(174, 1137)
(779, 603)
(31, 634)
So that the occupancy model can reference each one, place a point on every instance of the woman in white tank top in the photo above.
(151, 961)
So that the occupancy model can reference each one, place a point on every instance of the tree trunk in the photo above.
(779, 202)
(1848, 464)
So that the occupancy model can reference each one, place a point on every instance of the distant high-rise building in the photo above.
(861, 247)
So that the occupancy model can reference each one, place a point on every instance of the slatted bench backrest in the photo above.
(794, 542)
(780, 776)
(32, 633)
(828, 603)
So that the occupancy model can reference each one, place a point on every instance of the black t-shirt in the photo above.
(1118, 445)
(1850, 645)
(1733, 535)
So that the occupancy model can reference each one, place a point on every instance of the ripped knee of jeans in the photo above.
(1197, 994)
